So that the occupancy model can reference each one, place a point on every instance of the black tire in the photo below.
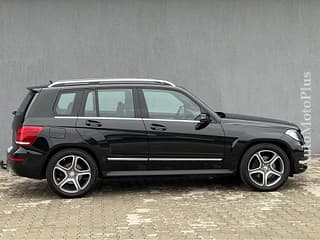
(253, 179)
(87, 175)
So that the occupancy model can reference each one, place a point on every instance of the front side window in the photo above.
(167, 104)
(111, 103)
(65, 103)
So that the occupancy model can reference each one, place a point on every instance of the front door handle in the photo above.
(93, 123)
(158, 127)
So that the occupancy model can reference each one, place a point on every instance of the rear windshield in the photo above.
(25, 103)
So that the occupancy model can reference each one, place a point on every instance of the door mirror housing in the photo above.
(204, 118)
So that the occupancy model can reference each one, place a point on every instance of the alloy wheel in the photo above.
(266, 168)
(71, 174)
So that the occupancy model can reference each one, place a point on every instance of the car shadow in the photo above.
(38, 189)
(166, 183)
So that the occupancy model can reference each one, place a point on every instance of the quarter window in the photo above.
(167, 104)
(65, 103)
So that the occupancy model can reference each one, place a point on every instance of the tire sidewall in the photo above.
(55, 158)
(244, 173)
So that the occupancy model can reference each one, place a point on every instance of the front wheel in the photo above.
(265, 167)
(71, 173)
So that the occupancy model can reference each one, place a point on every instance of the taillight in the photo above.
(27, 135)
(16, 159)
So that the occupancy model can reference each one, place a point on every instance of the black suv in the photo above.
(73, 132)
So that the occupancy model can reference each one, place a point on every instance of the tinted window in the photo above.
(65, 103)
(167, 104)
(43, 104)
(115, 103)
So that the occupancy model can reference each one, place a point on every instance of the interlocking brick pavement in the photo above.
(163, 208)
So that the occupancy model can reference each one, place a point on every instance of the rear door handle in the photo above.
(93, 123)
(158, 127)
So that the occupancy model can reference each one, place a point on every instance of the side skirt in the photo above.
(169, 172)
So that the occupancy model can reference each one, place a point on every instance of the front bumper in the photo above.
(300, 160)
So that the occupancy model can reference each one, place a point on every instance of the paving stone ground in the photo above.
(163, 208)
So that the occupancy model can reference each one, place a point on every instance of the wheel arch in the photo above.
(279, 143)
(60, 148)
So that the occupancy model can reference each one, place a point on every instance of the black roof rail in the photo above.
(63, 83)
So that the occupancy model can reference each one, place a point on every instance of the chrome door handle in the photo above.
(158, 127)
(93, 123)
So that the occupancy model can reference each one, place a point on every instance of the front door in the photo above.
(110, 124)
(177, 139)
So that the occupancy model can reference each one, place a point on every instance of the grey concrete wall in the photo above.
(243, 56)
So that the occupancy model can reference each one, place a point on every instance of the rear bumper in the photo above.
(26, 163)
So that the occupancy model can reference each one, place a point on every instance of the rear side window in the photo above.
(111, 103)
(115, 103)
(65, 103)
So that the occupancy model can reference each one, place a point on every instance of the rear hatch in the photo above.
(20, 113)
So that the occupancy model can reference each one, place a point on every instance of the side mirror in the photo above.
(14, 112)
(204, 118)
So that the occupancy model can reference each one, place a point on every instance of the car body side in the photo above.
(232, 136)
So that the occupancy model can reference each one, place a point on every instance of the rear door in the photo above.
(111, 123)
(177, 140)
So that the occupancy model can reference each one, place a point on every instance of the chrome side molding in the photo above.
(161, 159)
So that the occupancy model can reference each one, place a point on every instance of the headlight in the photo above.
(293, 133)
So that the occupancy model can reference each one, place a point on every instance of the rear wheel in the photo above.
(71, 173)
(265, 167)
